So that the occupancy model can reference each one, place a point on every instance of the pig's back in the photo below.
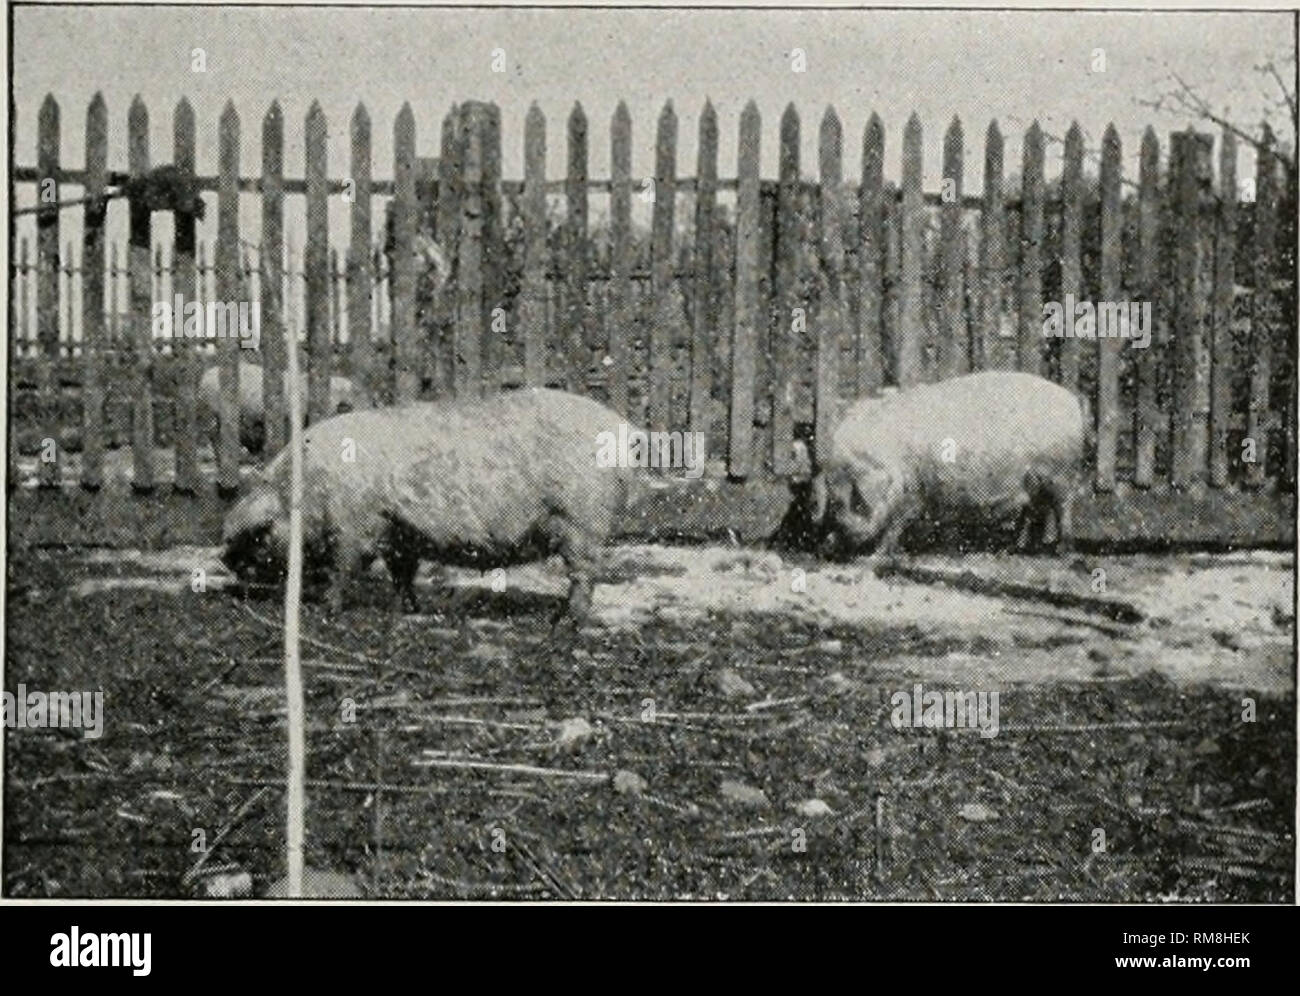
(477, 470)
(993, 425)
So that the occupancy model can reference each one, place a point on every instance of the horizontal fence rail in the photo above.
(752, 309)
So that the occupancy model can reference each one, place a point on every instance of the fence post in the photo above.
(661, 268)
(1071, 242)
(953, 342)
(17, 344)
(1148, 277)
(272, 271)
(1112, 231)
(228, 292)
(990, 349)
(869, 356)
(360, 287)
(315, 258)
(92, 294)
(620, 257)
(1221, 367)
(49, 459)
(185, 349)
(705, 317)
(750, 316)
(405, 212)
(1029, 350)
(142, 438)
(447, 232)
(911, 320)
(576, 334)
(469, 316)
(1190, 379)
(830, 310)
(533, 206)
(1258, 421)
(494, 330)
(785, 347)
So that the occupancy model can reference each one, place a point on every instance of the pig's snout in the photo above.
(252, 556)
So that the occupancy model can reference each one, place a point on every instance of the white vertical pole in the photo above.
(292, 603)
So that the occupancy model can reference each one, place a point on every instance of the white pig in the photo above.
(996, 447)
(481, 483)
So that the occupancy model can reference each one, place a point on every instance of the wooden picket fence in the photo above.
(785, 300)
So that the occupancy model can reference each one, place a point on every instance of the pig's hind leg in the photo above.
(1050, 499)
(399, 547)
(402, 566)
(1060, 500)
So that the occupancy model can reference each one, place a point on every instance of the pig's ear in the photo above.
(257, 510)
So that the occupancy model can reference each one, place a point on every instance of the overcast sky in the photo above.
(1013, 66)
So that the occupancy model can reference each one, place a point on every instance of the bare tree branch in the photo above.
(1187, 100)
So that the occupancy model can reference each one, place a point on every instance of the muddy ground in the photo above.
(721, 729)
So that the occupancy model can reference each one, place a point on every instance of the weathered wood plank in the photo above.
(92, 293)
(447, 232)
(790, 304)
(576, 335)
(869, 351)
(661, 266)
(704, 320)
(139, 305)
(831, 332)
(1071, 243)
(47, 290)
(271, 263)
(1108, 347)
(185, 226)
(1263, 312)
(1029, 344)
(406, 210)
(494, 326)
(315, 258)
(469, 318)
(1148, 281)
(992, 255)
(1190, 413)
(533, 291)
(1221, 360)
(360, 287)
(620, 261)
(911, 319)
(229, 288)
(953, 344)
(751, 317)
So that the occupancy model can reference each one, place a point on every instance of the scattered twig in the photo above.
(550, 876)
(1122, 632)
(1226, 831)
(775, 703)
(513, 769)
(468, 700)
(970, 581)
(1096, 727)
(375, 787)
(267, 621)
(752, 832)
(233, 822)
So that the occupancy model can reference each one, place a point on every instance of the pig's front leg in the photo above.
(351, 558)
(576, 548)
